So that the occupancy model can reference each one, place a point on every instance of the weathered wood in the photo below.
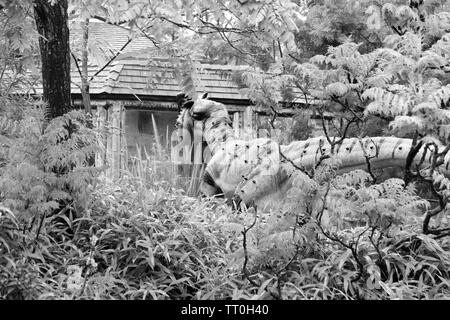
(109, 155)
(113, 145)
(123, 156)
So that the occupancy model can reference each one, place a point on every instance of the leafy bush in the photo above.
(345, 238)
(66, 232)
(45, 169)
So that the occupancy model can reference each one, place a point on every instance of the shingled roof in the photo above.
(131, 76)
(136, 77)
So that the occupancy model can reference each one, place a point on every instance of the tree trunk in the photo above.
(52, 25)
(84, 68)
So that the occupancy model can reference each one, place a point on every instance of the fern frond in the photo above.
(337, 89)
(441, 97)
(442, 46)
(430, 60)
(408, 123)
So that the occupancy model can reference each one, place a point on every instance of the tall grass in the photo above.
(153, 164)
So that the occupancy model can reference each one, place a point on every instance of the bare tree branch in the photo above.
(112, 59)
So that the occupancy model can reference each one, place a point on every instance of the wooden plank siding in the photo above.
(115, 143)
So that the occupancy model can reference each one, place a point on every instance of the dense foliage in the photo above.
(68, 232)
(138, 237)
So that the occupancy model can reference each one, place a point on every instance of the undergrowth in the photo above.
(69, 232)
(344, 238)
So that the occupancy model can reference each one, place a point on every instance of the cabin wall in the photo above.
(109, 120)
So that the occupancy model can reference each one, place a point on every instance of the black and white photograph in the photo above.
(224, 155)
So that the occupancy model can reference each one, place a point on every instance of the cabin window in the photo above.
(149, 128)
